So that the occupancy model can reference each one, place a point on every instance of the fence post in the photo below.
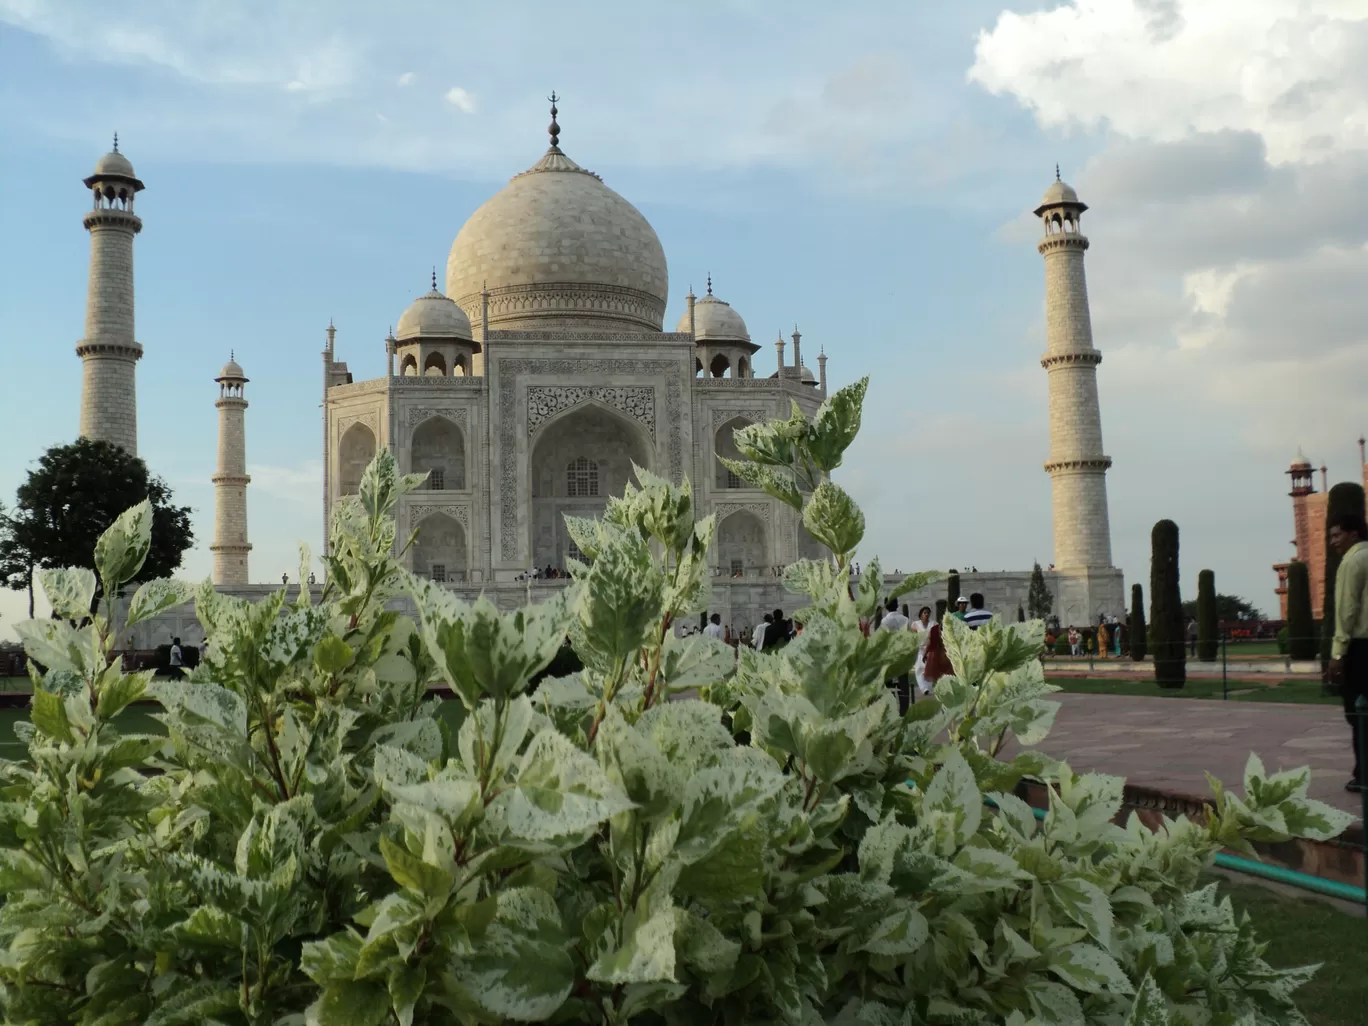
(1361, 711)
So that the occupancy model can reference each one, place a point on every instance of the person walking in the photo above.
(1075, 641)
(176, 657)
(714, 628)
(921, 626)
(1103, 640)
(961, 608)
(937, 662)
(758, 638)
(1349, 648)
(977, 615)
(895, 621)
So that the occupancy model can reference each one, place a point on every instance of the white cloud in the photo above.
(461, 99)
(406, 78)
(1296, 74)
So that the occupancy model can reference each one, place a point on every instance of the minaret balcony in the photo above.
(1083, 358)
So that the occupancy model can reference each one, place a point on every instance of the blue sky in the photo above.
(866, 172)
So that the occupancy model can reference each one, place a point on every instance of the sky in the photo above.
(865, 171)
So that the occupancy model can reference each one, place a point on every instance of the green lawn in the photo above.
(1299, 692)
(1300, 931)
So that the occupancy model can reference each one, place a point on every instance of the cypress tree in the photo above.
(1166, 608)
(1207, 626)
(941, 606)
(1039, 601)
(1302, 642)
(1345, 497)
(1021, 614)
(1137, 632)
(952, 590)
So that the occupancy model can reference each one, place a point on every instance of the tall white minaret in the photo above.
(230, 546)
(109, 353)
(1077, 464)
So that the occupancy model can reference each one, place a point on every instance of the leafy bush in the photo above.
(1300, 632)
(1281, 639)
(312, 843)
(1039, 601)
(1167, 648)
(1061, 645)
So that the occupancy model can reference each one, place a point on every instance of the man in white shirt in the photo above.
(177, 656)
(895, 621)
(714, 628)
(758, 636)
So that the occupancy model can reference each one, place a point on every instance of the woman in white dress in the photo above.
(922, 626)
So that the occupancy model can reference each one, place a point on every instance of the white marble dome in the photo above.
(114, 163)
(1060, 193)
(231, 372)
(559, 250)
(433, 315)
(715, 321)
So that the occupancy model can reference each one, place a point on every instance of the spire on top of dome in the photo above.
(710, 283)
(554, 128)
(1056, 171)
(116, 142)
(434, 278)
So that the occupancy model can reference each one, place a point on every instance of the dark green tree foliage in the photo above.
(1228, 608)
(1021, 613)
(1166, 608)
(1302, 642)
(1207, 627)
(952, 590)
(941, 607)
(1039, 601)
(1345, 497)
(72, 497)
(1138, 633)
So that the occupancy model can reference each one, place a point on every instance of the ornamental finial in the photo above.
(710, 283)
(1056, 172)
(554, 128)
(434, 279)
(116, 142)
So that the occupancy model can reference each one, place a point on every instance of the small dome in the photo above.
(715, 321)
(1059, 192)
(1301, 461)
(231, 372)
(114, 163)
(433, 315)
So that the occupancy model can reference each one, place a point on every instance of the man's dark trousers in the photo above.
(1353, 684)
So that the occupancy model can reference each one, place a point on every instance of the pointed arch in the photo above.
(439, 551)
(408, 366)
(437, 446)
(434, 366)
(742, 545)
(354, 453)
(719, 366)
(724, 444)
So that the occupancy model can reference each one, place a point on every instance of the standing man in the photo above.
(177, 657)
(895, 621)
(977, 615)
(758, 638)
(961, 608)
(714, 628)
(1349, 650)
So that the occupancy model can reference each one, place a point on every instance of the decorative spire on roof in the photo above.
(710, 283)
(232, 354)
(1056, 172)
(116, 142)
(434, 279)
(554, 128)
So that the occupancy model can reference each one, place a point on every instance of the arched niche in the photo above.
(354, 454)
(408, 366)
(743, 367)
(725, 445)
(438, 447)
(439, 552)
(434, 366)
(741, 545)
(719, 366)
(577, 461)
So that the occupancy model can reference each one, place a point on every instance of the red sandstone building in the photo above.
(1308, 526)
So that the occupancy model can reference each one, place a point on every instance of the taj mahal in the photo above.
(529, 380)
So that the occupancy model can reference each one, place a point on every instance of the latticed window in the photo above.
(574, 553)
(582, 477)
(439, 572)
(737, 568)
(437, 479)
(732, 480)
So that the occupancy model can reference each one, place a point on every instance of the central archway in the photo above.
(725, 445)
(578, 460)
(355, 452)
(741, 549)
(438, 447)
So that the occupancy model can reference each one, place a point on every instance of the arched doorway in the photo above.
(725, 445)
(578, 460)
(354, 454)
(719, 366)
(439, 552)
(408, 366)
(434, 366)
(741, 549)
(438, 447)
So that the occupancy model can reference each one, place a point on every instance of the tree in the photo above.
(1302, 642)
(72, 497)
(952, 589)
(941, 607)
(1166, 608)
(1137, 632)
(1207, 642)
(1345, 497)
(1039, 601)
(1228, 608)
(1021, 613)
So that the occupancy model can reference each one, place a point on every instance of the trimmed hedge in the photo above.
(1138, 634)
(1302, 642)
(1166, 608)
(1207, 627)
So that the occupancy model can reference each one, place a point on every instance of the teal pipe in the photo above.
(1278, 874)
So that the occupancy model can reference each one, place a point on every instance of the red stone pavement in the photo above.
(1169, 744)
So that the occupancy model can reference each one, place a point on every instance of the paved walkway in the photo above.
(1168, 745)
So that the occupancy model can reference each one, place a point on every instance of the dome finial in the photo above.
(434, 279)
(710, 283)
(1056, 171)
(554, 128)
(116, 142)
(232, 354)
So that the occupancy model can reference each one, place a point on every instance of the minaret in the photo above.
(230, 546)
(1077, 464)
(821, 370)
(109, 353)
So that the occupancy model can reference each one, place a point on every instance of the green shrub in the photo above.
(1345, 497)
(1208, 642)
(1061, 645)
(1167, 643)
(1039, 601)
(1138, 635)
(1281, 639)
(1302, 637)
(313, 843)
